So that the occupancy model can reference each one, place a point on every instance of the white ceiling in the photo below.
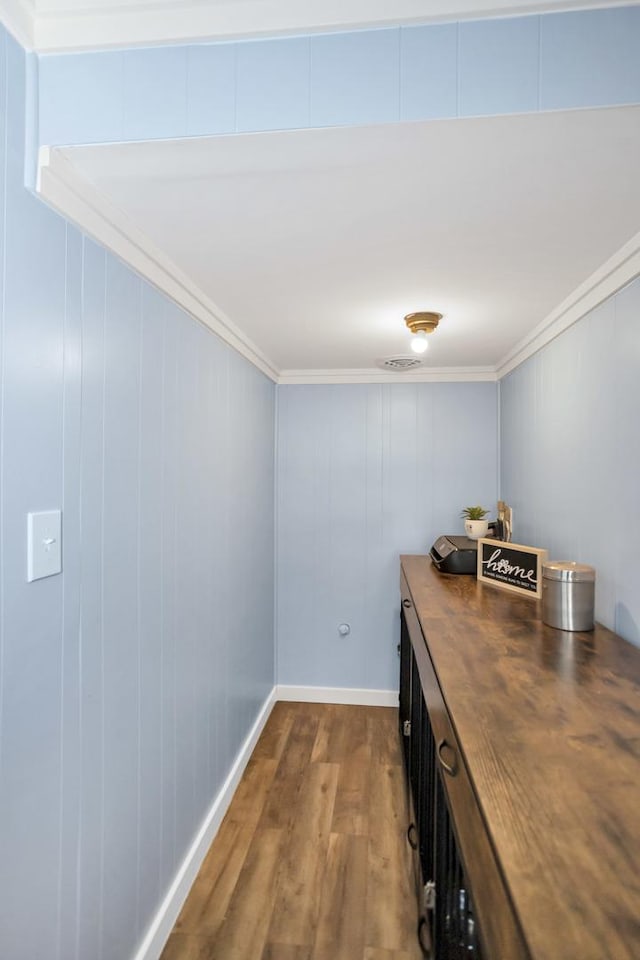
(316, 243)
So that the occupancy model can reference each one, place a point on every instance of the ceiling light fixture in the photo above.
(420, 325)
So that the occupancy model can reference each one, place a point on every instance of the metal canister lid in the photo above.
(568, 571)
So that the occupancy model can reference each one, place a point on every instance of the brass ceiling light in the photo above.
(420, 325)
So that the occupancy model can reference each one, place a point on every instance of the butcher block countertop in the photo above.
(548, 723)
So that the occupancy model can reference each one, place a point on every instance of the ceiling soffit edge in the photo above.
(77, 26)
(18, 18)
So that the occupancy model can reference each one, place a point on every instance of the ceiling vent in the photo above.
(400, 363)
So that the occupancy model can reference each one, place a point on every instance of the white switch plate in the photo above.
(44, 544)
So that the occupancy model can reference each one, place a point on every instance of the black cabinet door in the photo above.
(448, 929)
(454, 929)
(404, 711)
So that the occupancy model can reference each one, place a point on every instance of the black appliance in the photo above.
(455, 554)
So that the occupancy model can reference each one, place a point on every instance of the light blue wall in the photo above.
(570, 452)
(367, 472)
(128, 683)
(473, 68)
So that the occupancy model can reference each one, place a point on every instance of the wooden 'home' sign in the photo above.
(511, 566)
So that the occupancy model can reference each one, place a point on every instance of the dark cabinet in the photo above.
(521, 748)
(448, 927)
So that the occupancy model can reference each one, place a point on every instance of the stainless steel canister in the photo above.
(568, 592)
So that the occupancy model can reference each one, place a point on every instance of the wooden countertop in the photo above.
(549, 726)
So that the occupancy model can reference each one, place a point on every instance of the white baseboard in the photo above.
(354, 695)
(164, 920)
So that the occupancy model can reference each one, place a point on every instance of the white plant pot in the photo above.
(475, 529)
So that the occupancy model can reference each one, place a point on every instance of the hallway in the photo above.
(311, 861)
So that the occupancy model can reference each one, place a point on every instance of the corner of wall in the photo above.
(17, 18)
(31, 135)
(276, 475)
(499, 437)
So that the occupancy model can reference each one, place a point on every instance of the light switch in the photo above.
(44, 544)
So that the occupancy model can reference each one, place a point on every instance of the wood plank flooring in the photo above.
(311, 861)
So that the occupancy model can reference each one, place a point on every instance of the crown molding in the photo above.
(615, 273)
(64, 25)
(63, 188)
(374, 375)
(18, 17)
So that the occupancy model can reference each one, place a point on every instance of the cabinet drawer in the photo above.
(500, 931)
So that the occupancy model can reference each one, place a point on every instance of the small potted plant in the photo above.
(475, 525)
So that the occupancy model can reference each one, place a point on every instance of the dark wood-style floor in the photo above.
(311, 861)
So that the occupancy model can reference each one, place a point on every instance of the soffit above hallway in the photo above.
(301, 195)
(48, 25)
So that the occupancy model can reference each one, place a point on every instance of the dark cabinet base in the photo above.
(447, 928)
